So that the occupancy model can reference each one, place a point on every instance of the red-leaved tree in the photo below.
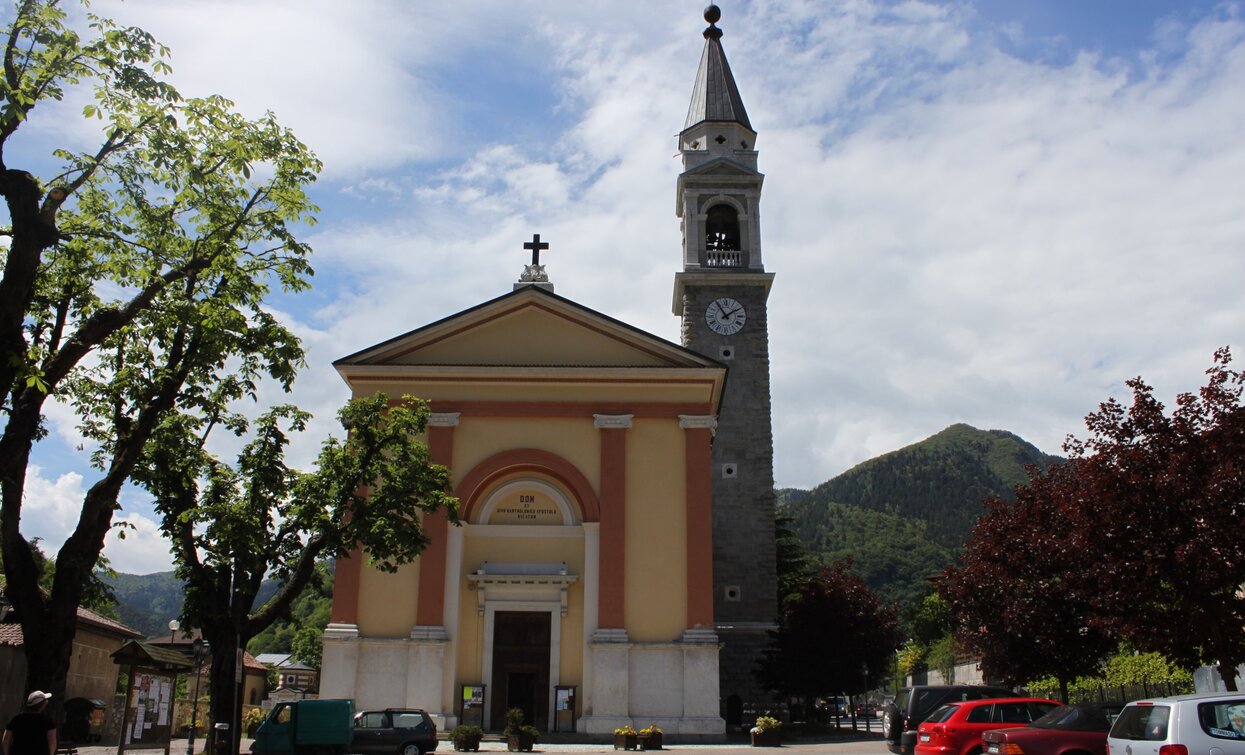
(1017, 596)
(1163, 512)
(834, 636)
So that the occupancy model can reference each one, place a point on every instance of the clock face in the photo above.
(725, 316)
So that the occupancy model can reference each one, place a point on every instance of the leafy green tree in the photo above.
(931, 621)
(943, 656)
(307, 646)
(310, 609)
(97, 594)
(795, 567)
(133, 279)
(1130, 669)
(233, 525)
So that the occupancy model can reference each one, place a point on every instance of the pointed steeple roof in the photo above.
(715, 96)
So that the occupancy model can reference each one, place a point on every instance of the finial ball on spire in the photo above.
(713, 13)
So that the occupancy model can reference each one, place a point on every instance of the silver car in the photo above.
(1207, 724)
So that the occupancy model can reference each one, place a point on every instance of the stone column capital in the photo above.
(443, 419)
(698, 421)
(612, 421)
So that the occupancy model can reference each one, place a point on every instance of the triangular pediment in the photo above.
(720, 167)
(529, 327)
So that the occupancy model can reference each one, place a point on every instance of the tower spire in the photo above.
(715, 97)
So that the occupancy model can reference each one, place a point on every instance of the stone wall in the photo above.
(744, 551)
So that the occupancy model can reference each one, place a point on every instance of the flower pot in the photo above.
(770, 738)
(625, 741)
(520, 742)
(650, 741)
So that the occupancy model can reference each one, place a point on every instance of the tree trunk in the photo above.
(226, 701)
(47, 643)
(1063, 690)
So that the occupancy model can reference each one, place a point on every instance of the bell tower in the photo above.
(720, 294)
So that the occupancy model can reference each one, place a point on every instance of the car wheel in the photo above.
(890, 725)
(410, 749)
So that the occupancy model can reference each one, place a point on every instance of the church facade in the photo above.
(615, 559)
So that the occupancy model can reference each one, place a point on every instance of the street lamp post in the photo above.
(194, 705)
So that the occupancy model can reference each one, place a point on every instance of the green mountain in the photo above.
(147, 602)
(903, 516)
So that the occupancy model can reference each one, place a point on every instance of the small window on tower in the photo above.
(722, 228)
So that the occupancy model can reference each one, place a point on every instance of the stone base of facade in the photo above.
(671, 685)
(389, 673)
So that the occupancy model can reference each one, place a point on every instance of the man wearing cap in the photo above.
(31, 732)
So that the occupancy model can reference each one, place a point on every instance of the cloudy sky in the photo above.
(990, 212)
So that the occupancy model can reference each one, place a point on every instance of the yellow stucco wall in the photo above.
(387, 602)
(530, 335)
(656, 576)
(574, 439)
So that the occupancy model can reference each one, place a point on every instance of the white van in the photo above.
(1183, 725)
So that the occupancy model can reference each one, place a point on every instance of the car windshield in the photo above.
(942, 714)
(1142, 722)
(1075, 718)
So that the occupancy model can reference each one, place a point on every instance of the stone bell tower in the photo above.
(721, 295)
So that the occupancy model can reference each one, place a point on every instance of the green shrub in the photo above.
(466, 737)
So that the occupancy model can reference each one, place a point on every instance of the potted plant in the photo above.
(625, 738)
(766, 733)
(466, 738)
(253, 718)
(650, 738)
(519, 736)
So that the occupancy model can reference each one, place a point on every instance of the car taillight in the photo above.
(1173, 750)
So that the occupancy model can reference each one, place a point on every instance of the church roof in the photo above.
(529, 327)
(715, 97)
(533, 347)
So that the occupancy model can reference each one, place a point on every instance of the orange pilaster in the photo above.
(346, 589)
(430, 609)
(699, 491)
(611, 610)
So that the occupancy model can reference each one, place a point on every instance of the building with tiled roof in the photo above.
(92, 672)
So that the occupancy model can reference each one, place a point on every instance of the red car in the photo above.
(956, 728)
(1066, 730)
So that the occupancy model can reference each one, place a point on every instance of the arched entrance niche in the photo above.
(528, 501)
(530, 541)
(483, 476)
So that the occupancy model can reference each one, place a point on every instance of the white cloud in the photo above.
(50, 511)
(50, 507)
(143, 550)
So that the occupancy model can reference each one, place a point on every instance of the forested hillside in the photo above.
(147, 602)
(903, 516)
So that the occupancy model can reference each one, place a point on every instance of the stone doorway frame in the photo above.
(553, 608)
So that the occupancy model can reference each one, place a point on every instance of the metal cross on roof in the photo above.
(536, 245)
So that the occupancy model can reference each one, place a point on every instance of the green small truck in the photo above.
(306, 727)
